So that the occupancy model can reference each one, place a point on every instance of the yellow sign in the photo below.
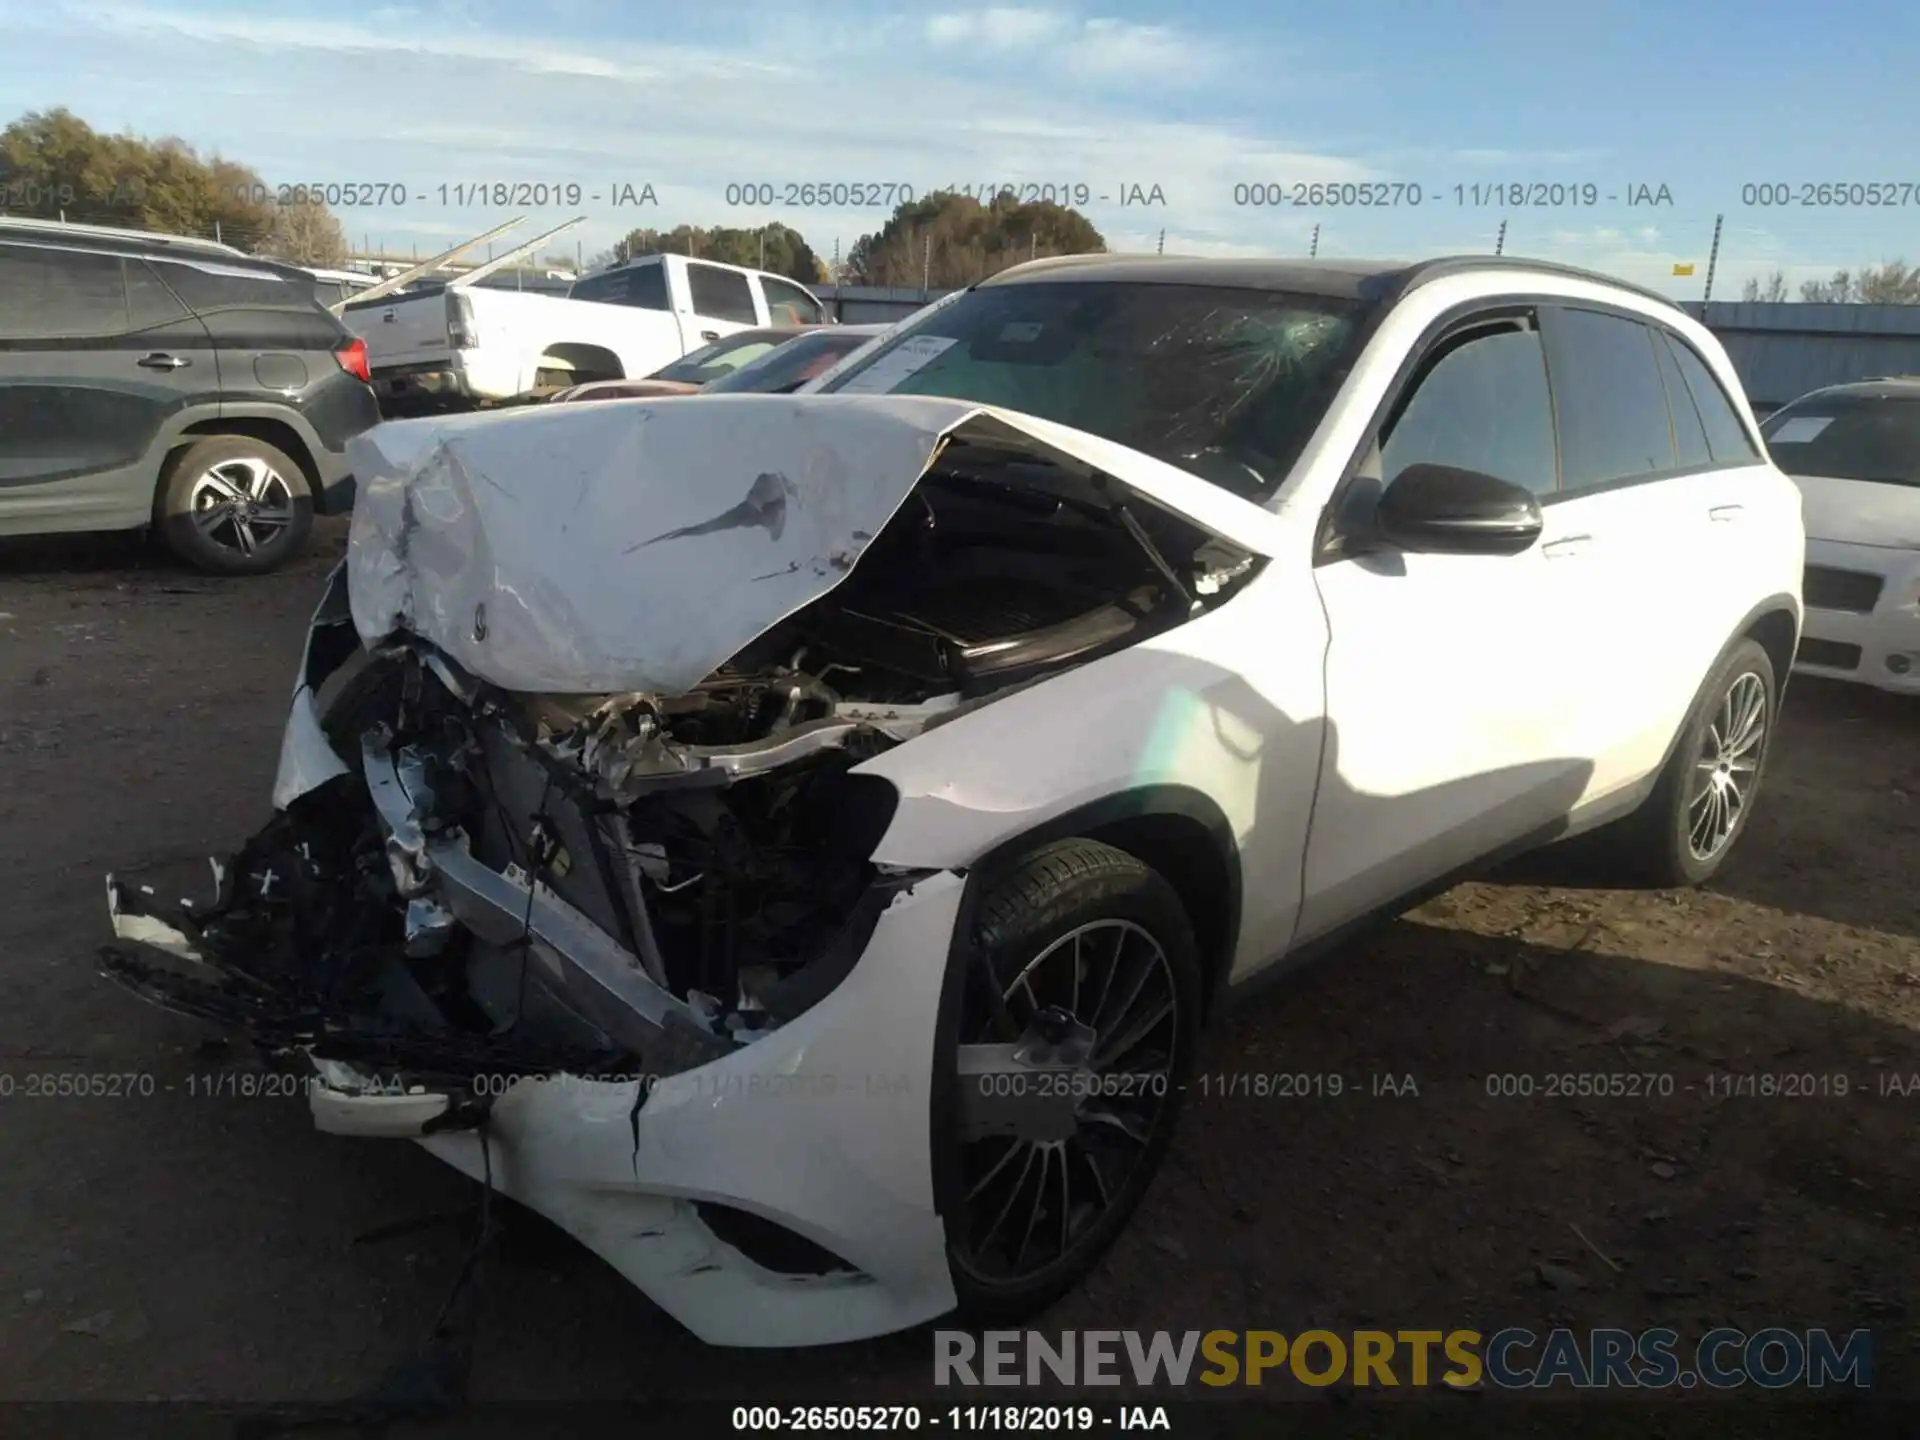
(1683, 269)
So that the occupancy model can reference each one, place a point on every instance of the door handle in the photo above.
(710, 336)
(1725, 513)
(158, 361)
(1562, 549)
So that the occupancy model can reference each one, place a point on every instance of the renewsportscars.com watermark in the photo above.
(1509, 1359)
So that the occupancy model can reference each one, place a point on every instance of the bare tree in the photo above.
(306, 234)
(1773, 292)
(1837, 291)
(1894, 283)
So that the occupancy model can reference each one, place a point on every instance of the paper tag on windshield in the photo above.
(1800, 429)
(897, 364)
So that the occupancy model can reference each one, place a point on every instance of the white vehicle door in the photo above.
(1666, 502)
(1451, 679)
(715, 301)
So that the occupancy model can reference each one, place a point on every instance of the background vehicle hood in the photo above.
(1860, 512)
(600, 548)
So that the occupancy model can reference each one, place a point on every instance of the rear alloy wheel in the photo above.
(1686, 828)
(234, 505)
(1084, 954)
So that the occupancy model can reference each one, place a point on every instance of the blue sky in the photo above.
(1702, 99)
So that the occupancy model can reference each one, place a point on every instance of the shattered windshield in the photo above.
(1226, 383)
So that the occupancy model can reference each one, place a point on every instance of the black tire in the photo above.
(219, 543)
(1654, 845)
(1048, 894)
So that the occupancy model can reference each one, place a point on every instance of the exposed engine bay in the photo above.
(505, 882)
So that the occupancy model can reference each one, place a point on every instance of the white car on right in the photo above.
(1854, 451)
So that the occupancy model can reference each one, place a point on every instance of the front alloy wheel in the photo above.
(1086, 968)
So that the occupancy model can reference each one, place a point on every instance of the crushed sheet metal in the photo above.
(141, 929)
(591, 549)
(307, 760)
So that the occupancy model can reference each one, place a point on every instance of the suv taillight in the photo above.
(353, 359)
(460, 334)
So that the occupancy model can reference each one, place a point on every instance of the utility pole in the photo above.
(926, 265)
(1161, 248)
(1713, 257)
(1313, 249)
(216, 229)
(1500, 240)
(763, 247)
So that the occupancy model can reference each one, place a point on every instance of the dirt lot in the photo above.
(181, 1246)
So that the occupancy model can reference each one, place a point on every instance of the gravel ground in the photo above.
(178, 1245)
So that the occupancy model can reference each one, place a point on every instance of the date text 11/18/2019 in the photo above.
(895, 1419)
(1482, 195)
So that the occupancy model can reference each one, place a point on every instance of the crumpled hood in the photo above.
(599, 548)
(1860, 512)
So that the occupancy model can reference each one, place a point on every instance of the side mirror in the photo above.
(1440, 509)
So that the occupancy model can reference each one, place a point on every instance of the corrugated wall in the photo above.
(1782, 351)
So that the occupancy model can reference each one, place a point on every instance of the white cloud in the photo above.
(1097, 48)
(439, 42)
(998, 29)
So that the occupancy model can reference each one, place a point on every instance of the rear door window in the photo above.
(50, 294)
(720, 294)
(1608, 398)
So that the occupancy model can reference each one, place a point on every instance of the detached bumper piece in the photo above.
(313, 973)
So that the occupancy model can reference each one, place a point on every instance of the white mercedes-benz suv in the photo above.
(794, 842)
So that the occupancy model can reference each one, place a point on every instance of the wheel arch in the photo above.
(1775, 623)
(588, 361)
(1177, 831)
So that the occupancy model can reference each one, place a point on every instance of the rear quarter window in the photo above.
(207, 288)
(1727, 438)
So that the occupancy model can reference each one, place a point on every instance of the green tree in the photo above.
(775, 248)
(56, 163)
(946, 240)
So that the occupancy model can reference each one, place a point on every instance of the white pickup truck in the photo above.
(460, 344)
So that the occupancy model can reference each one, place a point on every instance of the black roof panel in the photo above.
(1346, 279)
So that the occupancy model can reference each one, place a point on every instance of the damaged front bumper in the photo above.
(766, 1187)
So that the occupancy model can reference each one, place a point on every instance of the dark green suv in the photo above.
(152, 382)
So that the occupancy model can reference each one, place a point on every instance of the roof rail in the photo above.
(111, 232)
(1446, 265)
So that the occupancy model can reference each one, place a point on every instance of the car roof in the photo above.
(141, 244)
(1339, 279)
(112, 237)
(1880, 387)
